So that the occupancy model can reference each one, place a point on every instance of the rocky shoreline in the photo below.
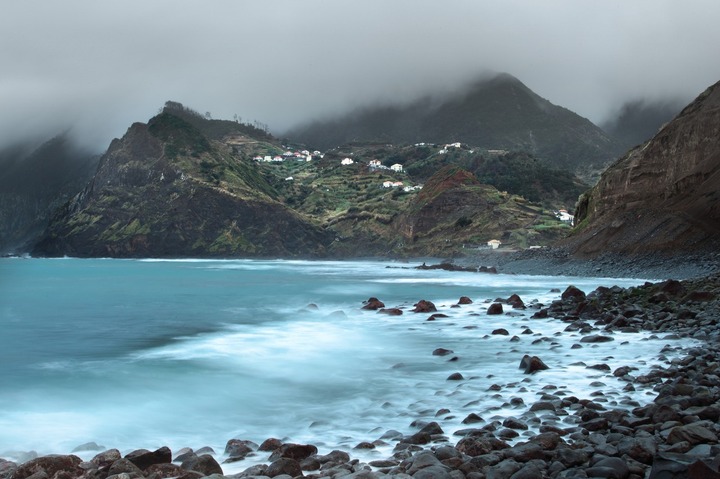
(559, 436)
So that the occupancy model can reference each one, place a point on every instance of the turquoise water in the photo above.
(144, 353)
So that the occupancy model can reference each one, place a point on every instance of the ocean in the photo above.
(190, 353)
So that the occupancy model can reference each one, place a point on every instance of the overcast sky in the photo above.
(98, 66)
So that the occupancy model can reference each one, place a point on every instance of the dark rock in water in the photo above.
(515, 301)
(365, 445)
(435, 316)
(205, 464)
(472, 418)
(464, 300)
(513, 423)
(596, 338)
(442, 352)
(270, 444)
(501, 331)
(424, 306)
(495, 308)
(239, 449)
(336, 456)
(599, 367)
(143, 458)
(477, 446)
(486, 269)
(455, 377)
(163, 471)
(531, 364)
(284, 465)
(542, 314)
(124, 466)
(62, 466)
(106, 458)
(373, 304)
(294, 451)
(391, 311)
(572, 293)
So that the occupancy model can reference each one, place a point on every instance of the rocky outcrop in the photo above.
(663, 196)
(167, 190)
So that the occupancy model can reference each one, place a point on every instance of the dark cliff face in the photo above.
(663, 195)
(167, 190)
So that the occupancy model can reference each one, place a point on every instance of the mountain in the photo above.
(663, 196)
(34, 181)
(500, 113)
(638, 121)
(175, 187)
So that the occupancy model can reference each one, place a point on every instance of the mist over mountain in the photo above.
(36, 181)
(499, 113)
(663, 196)
(639, 120)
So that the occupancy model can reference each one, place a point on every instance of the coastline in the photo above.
(573, 434)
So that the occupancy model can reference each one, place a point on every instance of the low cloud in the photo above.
(97, 67)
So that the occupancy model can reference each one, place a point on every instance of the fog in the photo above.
(97, 67)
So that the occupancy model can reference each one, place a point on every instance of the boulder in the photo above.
(500, 331)
(67, 465)
(297, 452)
(163, 471)
(596, 338)
(572, 293)
(442, 352)
(692, 433)
(391, 311)
(464, 300)
(455, 377)
(239, 449)
(495, 308)
(373, 304)
(204, 464)
(143, 458)
(424, 306)
(515, 301)
(284, 465)
(270, 444)
(530, 364)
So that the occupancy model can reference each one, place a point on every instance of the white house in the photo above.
(387, 184)
(564, 216)
(347, 161)
(396, 167)
(494, 243)
(258, 158)
(374, 164)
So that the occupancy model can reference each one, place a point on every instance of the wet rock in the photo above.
(572, 293)
(513, 423)
(424, 306)
(515, 301)
(66, 465)
(501, 331)
(143, 458)
(298, 452)
(391, 311)
(442, 352)
(455, 377)
(238, 449)
(373, 304)
(106, 458)
(270, 444)
(165, 470)
(472, 418)
(284, 465)
(495, 308)
(477, 446)
(531, 364)
(125, 466)
(464, 300)
(596, 338)
(203, 463)
(642, 449)
(692, 433)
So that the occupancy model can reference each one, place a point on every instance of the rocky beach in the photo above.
(674, 434)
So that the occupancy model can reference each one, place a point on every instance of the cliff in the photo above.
(663, 196)
(169, 189)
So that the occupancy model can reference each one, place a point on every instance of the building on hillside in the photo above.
(564, 216)
(374, 164)
(397, 167)
(387, 184)
(494, 243)
(347, 161)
